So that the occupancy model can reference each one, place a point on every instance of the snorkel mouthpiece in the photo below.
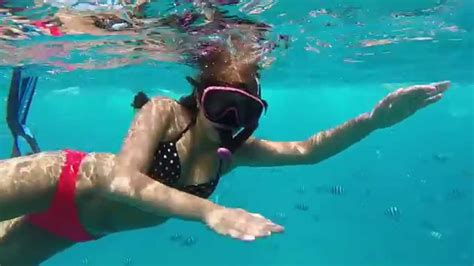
(224, 154)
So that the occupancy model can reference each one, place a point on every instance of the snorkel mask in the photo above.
(234, 113)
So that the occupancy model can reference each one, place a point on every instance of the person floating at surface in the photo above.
(19, 100)
(171, 161)
(67, 21)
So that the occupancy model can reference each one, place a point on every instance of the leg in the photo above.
(24, 244)
(28, 183)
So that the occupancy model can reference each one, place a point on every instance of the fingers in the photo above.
(241, 235)
(432, 92)
(432, 99)
(264, 227)
(431, 89)
(271, 226)
(255, 227)
(442, 86)
(258, 215)
(419, 96)
(420, 92)
(267, 229)
(276, 228)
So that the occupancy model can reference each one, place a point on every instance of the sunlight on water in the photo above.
(331, 35)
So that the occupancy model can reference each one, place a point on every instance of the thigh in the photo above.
(24, 244)
(28, 183)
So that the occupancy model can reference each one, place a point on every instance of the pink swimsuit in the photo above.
(62, 218)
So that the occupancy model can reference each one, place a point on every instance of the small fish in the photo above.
(455, 194)
(436, 235)
(302, 207)
(176, 236)
(127, 262)
(281, 215)
(441, 157)
(393, 212)
(301, 190)
(190, 241)
(337, 190)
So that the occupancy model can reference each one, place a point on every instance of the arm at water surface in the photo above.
(323, 145)
(391, 110)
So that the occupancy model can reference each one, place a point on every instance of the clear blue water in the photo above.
(308, 92)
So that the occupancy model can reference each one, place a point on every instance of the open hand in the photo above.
(402, 103)
(240, 224)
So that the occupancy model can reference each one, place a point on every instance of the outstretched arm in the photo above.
(129, 183)
(257, 152)
(394, 108)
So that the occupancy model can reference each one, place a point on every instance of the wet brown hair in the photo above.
(218, 65)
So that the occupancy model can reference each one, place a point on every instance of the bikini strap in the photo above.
(190, 124)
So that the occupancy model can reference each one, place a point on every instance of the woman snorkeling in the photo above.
(171, 161)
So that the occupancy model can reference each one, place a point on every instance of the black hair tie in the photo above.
(140, 100)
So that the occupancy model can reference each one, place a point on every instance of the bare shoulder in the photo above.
(161, 102)
(151, 124)
(162, 105)
(172, 107)
(155, 112)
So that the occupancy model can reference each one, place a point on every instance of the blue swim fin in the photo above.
(28, 87)
(21, 94)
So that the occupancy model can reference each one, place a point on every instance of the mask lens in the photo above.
(231, 108)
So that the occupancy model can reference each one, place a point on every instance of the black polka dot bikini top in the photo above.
(166, 168)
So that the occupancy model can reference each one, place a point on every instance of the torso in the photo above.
(100, 216)
(198, 166)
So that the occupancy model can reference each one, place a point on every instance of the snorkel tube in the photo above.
(242, 111)
(230, 143)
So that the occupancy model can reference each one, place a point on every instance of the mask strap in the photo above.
(259, 88)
